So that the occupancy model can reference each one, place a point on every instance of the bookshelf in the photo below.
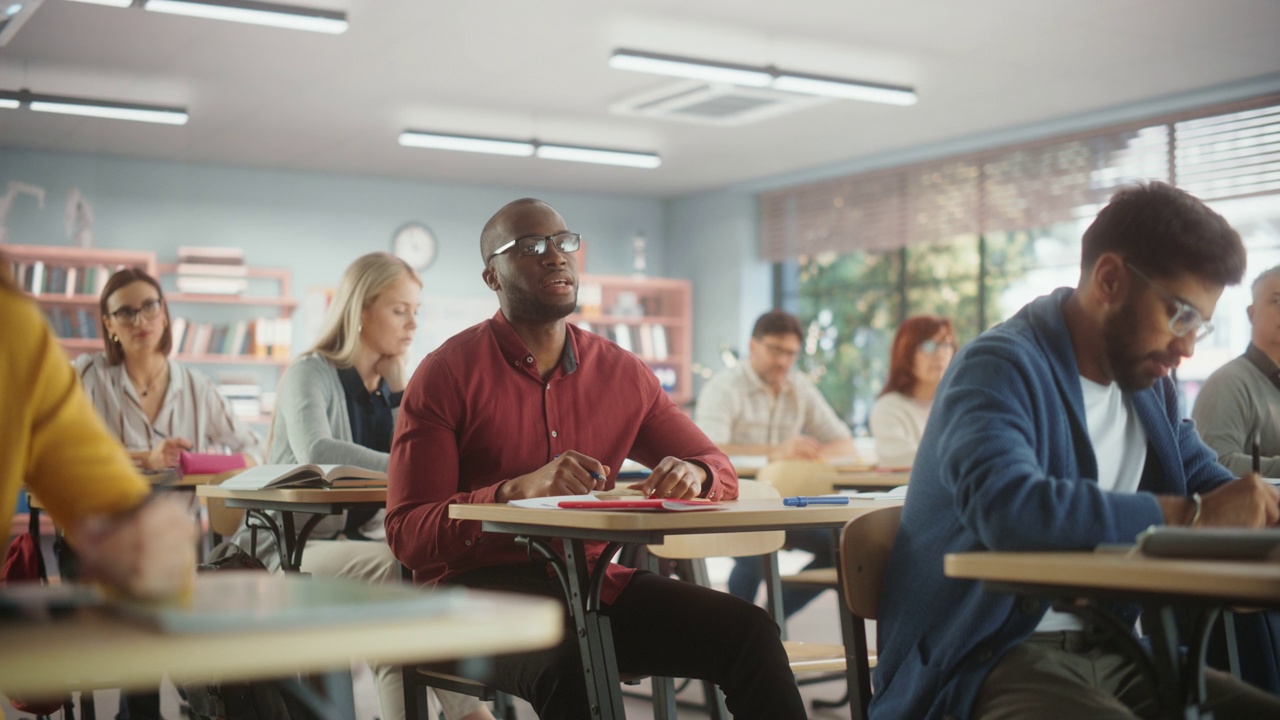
(238, 333)
(66, 282)
(651, 317)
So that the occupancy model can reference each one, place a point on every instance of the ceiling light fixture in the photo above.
(165, 115)
(746, 75)
(527, 148)
(13, 14)
(109, 3)
(256, 13)
(466, 143)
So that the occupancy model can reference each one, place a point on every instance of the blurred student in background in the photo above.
(922, 349)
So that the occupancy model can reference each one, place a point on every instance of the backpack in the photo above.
(24, 563)
(240, 701)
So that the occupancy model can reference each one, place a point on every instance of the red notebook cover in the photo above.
(190, 463)
(657, 504)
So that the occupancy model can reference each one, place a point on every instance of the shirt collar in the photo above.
(517, 354)
(353, 386)
(754, 378)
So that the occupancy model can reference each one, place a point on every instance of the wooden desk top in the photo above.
(100, 649)
(299, 495)
(738, 516)
(1217, 579)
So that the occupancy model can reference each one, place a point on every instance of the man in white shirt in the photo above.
(765, 407)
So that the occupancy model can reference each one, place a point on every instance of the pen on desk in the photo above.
(1257, 459)
(803, 500)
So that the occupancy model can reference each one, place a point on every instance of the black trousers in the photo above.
(661, 627)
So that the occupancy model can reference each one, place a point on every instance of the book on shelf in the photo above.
(660, 351)
(211, 255)
(200, 285)
(204, 269)
(622, 336)
(645, 331)
(264, 477)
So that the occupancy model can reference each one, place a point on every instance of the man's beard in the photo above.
(1119, 333)
(527, 306)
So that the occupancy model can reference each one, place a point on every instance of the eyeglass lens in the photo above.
(129, 315)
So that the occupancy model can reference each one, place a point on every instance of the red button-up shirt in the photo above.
(476, 414)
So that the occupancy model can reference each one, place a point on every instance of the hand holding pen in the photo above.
(569, 473)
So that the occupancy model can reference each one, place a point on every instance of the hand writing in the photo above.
(166, 454)
(571, 473)
(675, 478)
(146, 553)
(799, 447)
(1244, 502)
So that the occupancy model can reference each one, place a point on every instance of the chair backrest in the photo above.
(797, 477)
(737, 544)
(223, 520)
(865, 544)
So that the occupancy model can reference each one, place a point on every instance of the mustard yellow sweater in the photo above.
(51, 439)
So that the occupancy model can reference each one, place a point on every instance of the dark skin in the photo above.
(536, 294)
(1104, 293)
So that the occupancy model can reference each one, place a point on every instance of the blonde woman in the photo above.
(337, 405)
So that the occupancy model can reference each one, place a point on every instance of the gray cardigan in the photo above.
(311, 425)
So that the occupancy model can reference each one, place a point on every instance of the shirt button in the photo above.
(553, 434)
(468, 542)
(529, 359)
(516, 363)
(548, 386)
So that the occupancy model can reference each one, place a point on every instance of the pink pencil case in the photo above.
(190, 463)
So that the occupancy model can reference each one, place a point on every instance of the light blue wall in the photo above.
(714, 241)
(314, 224)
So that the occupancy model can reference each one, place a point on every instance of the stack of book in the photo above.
(40, 278)
(212, 271)
(262, 338)
(244, 396)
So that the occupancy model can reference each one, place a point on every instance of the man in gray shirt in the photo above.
(1240, 403)
(1238, 406)
(764, 407)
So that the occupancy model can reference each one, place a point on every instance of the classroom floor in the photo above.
(816, 622)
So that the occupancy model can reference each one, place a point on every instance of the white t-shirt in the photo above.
(1120, 445)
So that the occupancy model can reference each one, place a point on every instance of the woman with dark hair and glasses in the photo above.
(155, 405)
(922, 349)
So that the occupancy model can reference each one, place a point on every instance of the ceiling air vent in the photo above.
(714, 103)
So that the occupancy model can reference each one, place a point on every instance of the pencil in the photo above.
(1257, 459)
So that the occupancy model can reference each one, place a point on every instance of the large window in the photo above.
(975, 238)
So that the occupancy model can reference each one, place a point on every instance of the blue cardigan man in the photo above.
(1060, 430)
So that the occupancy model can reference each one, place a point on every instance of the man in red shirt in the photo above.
(526, 405)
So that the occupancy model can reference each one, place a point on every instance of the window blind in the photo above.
(1214, 153)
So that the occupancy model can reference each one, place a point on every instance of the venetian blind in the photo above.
(1215, 153)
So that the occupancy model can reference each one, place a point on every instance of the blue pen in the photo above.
(594, 475)
(804, 500)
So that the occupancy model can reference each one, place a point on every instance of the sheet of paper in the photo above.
(897, 493)
(552, 501)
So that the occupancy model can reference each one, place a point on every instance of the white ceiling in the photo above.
(517, 68)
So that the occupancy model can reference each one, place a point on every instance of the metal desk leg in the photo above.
(664, 692)
(595, 637)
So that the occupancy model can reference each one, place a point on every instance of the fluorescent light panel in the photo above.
(657, 64)
(110, 3)
(256, 13)
(599, 156)
(527, 148)
(94, 108)
(746, 75)
(464, 143)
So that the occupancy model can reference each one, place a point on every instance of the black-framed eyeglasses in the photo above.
(929, 347)
(780, 352)
(534, 245)
(1185, 317)
(129, 315)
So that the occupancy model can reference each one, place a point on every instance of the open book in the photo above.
(305, 476)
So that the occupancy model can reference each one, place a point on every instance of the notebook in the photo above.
(1210, 543)
(264, 477)
(190, 463)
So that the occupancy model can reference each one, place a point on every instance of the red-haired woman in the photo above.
(922, 349)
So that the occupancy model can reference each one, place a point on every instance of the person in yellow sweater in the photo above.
(53, 441)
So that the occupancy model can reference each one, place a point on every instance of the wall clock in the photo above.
(414, 243)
